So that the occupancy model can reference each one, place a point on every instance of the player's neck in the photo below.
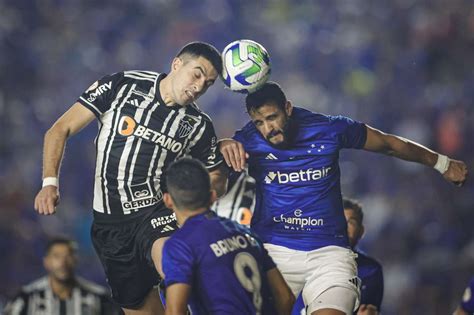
(183, 215)
(62, 289)
(165, 90)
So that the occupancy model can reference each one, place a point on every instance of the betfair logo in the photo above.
(129, 127)
(298, 176)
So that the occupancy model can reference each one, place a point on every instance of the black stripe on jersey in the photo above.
(109, 143)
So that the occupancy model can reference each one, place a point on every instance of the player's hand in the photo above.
(367, 309)
(234, 154)
(46, 200)
(456, 173)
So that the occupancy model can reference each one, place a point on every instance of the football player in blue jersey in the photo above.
(369, 270)
(293, 154)
(213, 264)
(467, 302)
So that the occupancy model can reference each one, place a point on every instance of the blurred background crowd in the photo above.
(403, 66)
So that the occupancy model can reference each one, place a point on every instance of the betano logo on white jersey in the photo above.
(128, 127)
(309, 174)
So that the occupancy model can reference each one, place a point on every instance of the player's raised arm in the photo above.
(378, 141)
(282, 295)
(71, 122)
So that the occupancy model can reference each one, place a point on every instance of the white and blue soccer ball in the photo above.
(246, 66)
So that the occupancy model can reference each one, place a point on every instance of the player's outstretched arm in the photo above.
(234, 153)
(378, 141)
(177, 296)
(70, 123)
(283, 297)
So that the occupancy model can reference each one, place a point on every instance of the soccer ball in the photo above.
(246, 66)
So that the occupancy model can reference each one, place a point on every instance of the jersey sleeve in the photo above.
(100, 95)
(267, 262)
(177, 262)
(377, 297)
(17, 306)
(350, 133)
(206, 148)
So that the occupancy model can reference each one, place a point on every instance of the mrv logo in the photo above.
(297, 221)
(297, 176)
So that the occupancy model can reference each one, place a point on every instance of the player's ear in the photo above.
(168, 201)
(177, 62)
(212, 197)
(288, 108)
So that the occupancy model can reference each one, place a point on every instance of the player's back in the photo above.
(229, 266)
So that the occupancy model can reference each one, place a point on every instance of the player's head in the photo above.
(354, 217)
(60, 259)
(270, 112)
(194, 69)
(189, 186)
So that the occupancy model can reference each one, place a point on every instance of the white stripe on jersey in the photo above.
(91, 105)
(105, 130)
(139, 75)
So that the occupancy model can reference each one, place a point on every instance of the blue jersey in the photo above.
(371, 292)
(298, 194)
(467, 302)
(224, 264)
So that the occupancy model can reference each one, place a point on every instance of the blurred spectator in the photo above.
(61, 291)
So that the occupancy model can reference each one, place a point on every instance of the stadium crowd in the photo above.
(404, 66)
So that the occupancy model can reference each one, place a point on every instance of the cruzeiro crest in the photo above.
(186, 125)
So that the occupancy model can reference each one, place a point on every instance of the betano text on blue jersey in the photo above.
(139, 136)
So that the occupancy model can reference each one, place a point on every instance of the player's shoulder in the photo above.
(36, 285)
(194, 110)
(248, 133)
(90, 286)
(140, 75)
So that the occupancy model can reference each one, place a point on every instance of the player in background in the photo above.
(293, 155)
(369, 270)
(239, 201)
(467, 302)
(61, 291)
(214, 264)
(147, 120)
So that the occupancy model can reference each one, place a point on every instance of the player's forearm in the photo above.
(54, 144)
(219, 180)
(410, 151)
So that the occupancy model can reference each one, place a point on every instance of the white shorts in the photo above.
(314, 272)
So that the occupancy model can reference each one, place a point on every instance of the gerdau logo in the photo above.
(298, 176)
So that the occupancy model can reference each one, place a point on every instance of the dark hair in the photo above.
(270, 92)
(202, 49)
(354, 206)
(189, 184)
(59, 240)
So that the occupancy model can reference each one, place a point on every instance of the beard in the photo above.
(287, 132)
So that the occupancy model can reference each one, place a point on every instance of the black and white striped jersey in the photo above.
(138, 137)
(37, 298)
(239, 202)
